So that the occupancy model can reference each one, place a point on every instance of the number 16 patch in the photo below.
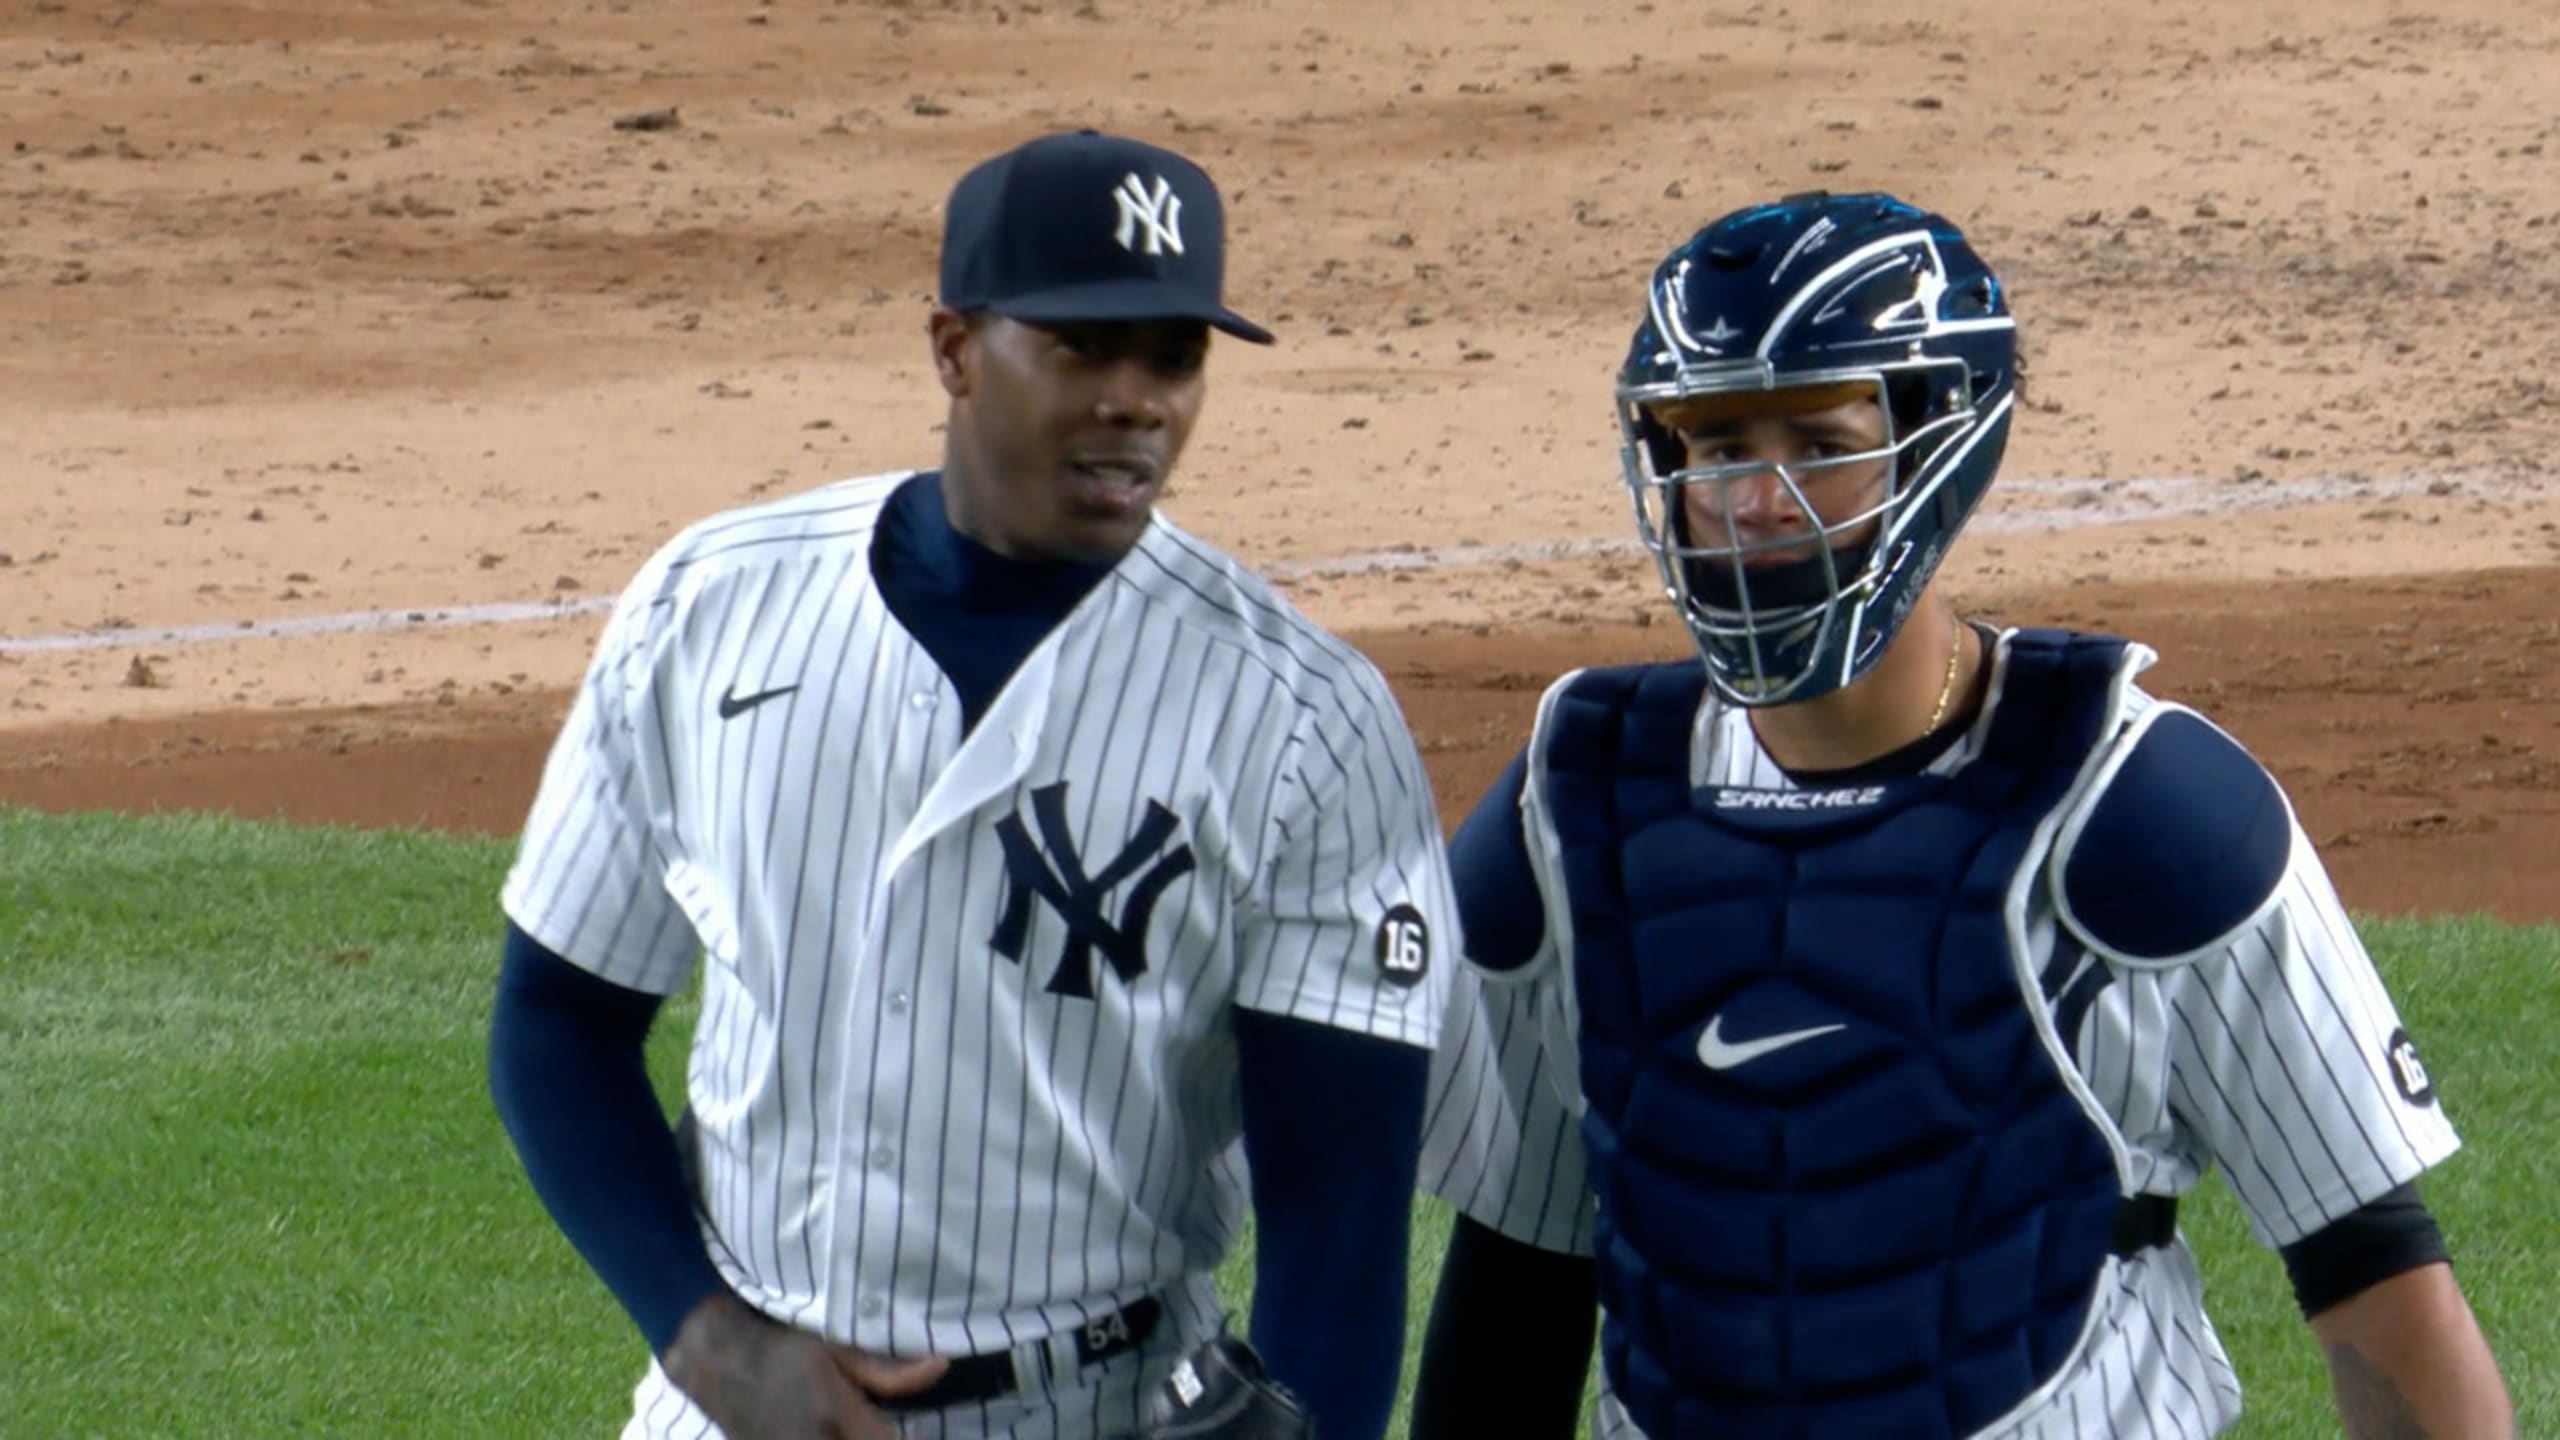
(1404, 946)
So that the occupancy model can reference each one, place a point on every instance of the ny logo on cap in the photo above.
(1150, 220)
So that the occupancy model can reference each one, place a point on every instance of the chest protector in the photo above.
(1844, 1189)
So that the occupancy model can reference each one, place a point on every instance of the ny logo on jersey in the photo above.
(1150, 220)
(1053, 871)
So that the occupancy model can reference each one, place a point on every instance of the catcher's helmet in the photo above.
(1859, 295)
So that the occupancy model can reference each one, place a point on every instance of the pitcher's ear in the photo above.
(954, 335)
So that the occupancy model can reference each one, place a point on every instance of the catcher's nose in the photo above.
(1745, 509)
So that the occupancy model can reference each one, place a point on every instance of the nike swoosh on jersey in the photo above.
(733, 704)
(1716, 1053)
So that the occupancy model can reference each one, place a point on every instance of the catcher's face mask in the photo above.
(1765, 516)
(1766, 483)
(1815, 399)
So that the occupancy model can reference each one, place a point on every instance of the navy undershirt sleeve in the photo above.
(567, 1072)
(1508, 1350)
(977, 613)
(1498, 906)
(1332, 1134)
(2387, 1236)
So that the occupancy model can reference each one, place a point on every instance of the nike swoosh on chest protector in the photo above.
(1717, 1053)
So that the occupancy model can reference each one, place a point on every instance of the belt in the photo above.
(973, 1378)
(2145, 1222)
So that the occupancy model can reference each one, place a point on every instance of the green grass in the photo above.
(253, 1186)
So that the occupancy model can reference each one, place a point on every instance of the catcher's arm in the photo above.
(1509, 1344)
(2406, 1357)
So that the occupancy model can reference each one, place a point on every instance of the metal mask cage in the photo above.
(1767, 650)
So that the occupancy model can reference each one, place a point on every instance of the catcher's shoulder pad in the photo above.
(1662, 695)
(1221, 1392)
(2180, 839)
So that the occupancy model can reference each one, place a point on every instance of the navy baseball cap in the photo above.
(1087, 226)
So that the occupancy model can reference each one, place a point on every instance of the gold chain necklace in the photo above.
(1947, 687)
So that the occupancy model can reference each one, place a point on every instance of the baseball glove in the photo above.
(1221, 1392)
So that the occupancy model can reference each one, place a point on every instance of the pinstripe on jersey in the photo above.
(2267, 1062)
(940, 1110)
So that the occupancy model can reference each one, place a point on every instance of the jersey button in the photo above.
(882, 1157)
(922, 700)
(873, 1307)
(897, 1002)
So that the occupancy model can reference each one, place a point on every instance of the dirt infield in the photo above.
(333, 314)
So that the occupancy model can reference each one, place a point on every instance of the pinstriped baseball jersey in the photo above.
(964, 1069)
(2271, 1061)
